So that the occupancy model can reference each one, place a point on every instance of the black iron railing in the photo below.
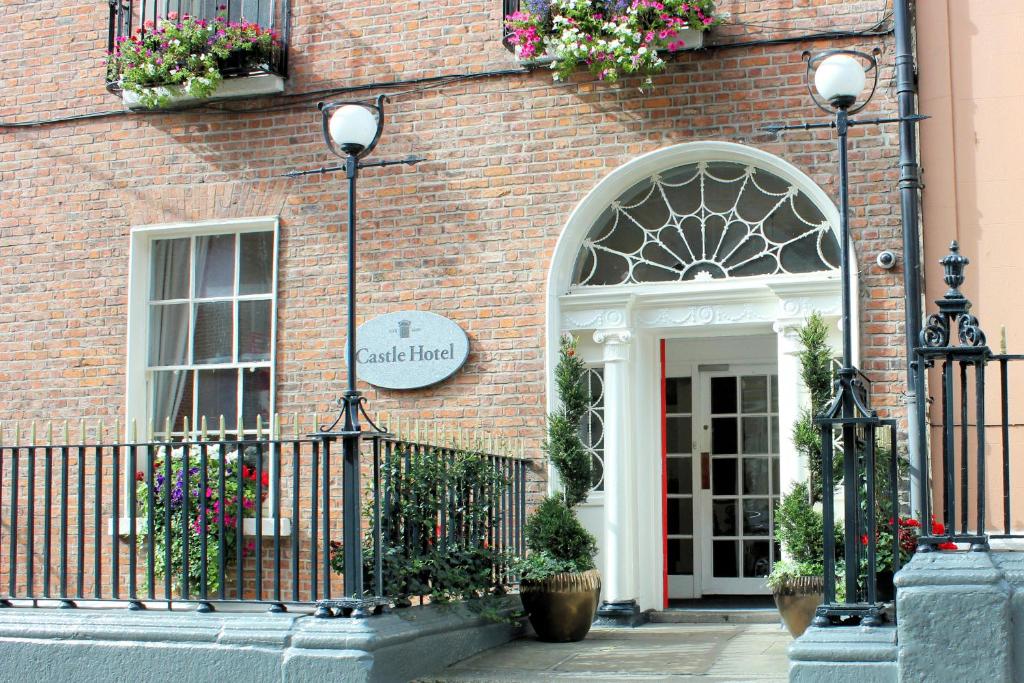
(253, 520)
(953, 343)
(129, 16)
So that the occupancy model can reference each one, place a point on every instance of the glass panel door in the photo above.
(740, 467)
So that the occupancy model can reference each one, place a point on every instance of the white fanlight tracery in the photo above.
(704, 221)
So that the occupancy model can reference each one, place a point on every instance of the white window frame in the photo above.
(137, 394)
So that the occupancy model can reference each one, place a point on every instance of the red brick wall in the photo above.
(467, 234)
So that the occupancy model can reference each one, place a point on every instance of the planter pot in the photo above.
(694, 40)
(562, 607)
(230, 88)
(797, 599)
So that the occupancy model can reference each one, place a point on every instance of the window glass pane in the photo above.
(680, 556)
(212, 342)
(255, 396)
(754, 394)
(215, 265)
(680, 516)
(723, 435)
(703, 221)
(217, 392)
(724, 517)
(775, 435)
(775, 394)
(723, 559)
(677, 434)
(253, 330)
(723, 477)
(755, 476)
(172, 399)
(170, 269)
(168, 334)
(256, 263)
(755, 517)
(680, 475)
(723, 394)
(678, 398)
(755, 435)
(756, 561)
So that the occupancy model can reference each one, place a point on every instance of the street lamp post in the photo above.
(351, 131)
(836, 80)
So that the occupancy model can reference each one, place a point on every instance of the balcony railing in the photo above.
(129, 16)
(253, 521)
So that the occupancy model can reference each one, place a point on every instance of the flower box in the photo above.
(229, 89)
(610, 38)
(693, 39)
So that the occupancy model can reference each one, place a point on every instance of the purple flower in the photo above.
(538, 7)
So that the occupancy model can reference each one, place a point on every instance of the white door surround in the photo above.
(621, 326)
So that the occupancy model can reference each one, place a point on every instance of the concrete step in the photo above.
(714, 616)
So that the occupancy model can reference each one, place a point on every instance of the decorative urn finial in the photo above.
(953, 263)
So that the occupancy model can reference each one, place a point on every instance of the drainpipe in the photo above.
(910, 187)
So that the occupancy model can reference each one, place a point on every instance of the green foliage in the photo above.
(816, 374)
(418, 555)
(227, 512)
(190, 54)
(799, 528)
(564, 446)
(540, 565)
(554, 529)
(555, 537)
(784, 571)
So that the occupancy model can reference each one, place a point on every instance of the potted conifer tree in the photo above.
(559, 584)
(797, 581)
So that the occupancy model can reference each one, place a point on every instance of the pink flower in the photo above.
(173, 16)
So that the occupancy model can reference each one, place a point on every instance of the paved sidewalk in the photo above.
(709, 653)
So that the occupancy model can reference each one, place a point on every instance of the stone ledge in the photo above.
(115, 644)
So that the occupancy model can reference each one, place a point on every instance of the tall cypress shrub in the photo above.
(557, 540)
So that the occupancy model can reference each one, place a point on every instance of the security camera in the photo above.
(886, 260)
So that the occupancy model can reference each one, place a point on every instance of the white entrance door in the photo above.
(736, 480)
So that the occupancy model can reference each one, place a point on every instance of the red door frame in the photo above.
(664, 483)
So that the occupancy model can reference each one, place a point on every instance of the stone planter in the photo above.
(797, 599)
(562, 607)
(230, 88)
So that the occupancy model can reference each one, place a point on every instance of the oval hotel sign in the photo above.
(409, 349)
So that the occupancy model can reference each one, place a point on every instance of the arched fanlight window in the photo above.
(705, 221)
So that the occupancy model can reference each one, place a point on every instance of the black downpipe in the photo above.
(910, 186)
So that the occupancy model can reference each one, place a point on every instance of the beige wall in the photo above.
(971, 63)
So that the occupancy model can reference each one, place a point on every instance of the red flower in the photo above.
(947, 546)
(140, 476)
(864, 539)
(265, 480)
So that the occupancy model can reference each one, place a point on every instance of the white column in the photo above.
(792, 399)
(619, 583)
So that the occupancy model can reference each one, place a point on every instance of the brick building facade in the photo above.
(470, 233)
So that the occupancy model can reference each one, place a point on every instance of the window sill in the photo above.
(230, 89)
(124, 526)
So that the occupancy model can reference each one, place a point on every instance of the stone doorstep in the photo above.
(416, 641)
(714, 616)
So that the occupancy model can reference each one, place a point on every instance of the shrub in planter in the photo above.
(419, 557)
(612, 38)
(559, 585)
(797, 583)
(187, 55)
